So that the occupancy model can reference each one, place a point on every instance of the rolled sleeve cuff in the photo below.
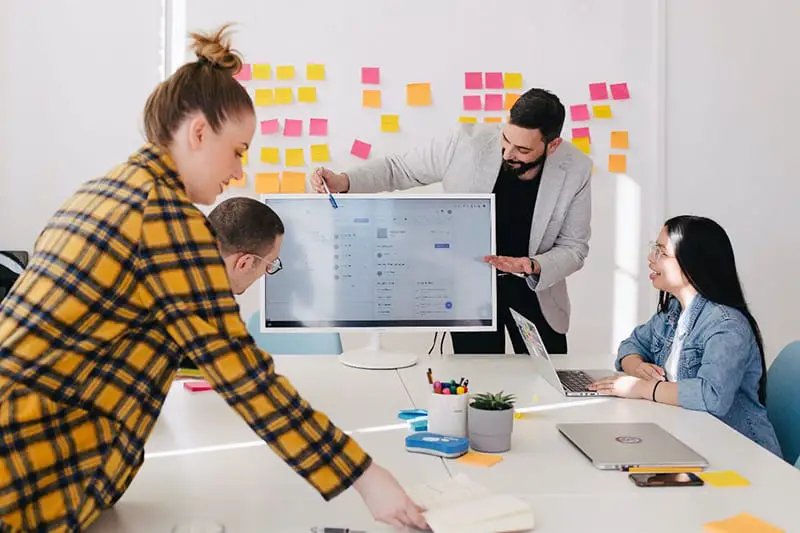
(690, 394)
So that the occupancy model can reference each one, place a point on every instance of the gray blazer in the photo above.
(468, 161)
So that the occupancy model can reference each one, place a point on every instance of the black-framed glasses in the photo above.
(274, 267)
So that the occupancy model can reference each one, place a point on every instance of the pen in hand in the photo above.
(328, 192)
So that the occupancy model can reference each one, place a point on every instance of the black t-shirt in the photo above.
(515, 200)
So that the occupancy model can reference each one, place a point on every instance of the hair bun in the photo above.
(215, 49)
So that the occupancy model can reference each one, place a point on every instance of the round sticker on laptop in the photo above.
(628, 440)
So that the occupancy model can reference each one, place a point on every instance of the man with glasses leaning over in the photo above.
(543, 209)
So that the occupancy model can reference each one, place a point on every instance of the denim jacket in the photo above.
(719, 367)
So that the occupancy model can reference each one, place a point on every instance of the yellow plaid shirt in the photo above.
(125, 281)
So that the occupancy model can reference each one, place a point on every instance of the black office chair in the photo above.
(11, 266)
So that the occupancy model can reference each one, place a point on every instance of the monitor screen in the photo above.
(383, 261)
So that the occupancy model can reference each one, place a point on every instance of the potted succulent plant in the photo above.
(490, 422)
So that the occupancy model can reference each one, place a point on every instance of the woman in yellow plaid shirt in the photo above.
(126, 280)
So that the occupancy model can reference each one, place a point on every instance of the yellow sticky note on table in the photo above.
(307, 95)
(264, 97)
(267, 183)
(583, 144)
(725, 478)
(371, 98)
(284, 95)
(479, 459)
(295, 157)
(602, 111)
(493, 120)
(244, 159)
(262, 72)
(390, 123)
(270, 155)
(320, 153)
(285, 72)
(510, 100)
(741, 523)
(512, 80)
(468, 120)
(617, 163)
(293, 182)
(315, 72)
(418, 94)
(619, 140)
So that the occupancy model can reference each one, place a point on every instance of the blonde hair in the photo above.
(205, 85)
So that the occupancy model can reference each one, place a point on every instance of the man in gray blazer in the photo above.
(543, 205)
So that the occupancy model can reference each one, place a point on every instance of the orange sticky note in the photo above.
(293, 182)
(315, 72)
(283, 95)
(244, 159)
(725, 478)
(285, 72)
(493, 120)
(619, 140)
(295, 157)
(512, 80)
(468, 120)
(267, 183)
(390, 123)
(602, 111)
(262, 72)
(741, 523)
(510, 100)
(307, 95)
(264, 97)
(583, 144)
(418, 94)
(320, 153)
(270, 155)
(479, 459)
(241, 182)
(617, 163)
(371, 98)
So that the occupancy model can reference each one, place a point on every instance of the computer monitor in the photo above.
(382, 262)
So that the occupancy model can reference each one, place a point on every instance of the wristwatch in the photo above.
(533, 279)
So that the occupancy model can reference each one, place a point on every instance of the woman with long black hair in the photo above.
(702, 350)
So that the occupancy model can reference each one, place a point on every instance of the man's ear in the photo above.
(198, 129)
(555, 143)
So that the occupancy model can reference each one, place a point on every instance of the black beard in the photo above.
(519, 168)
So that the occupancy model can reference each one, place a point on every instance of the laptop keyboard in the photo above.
(574, 380)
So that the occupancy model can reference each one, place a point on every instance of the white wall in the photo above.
(732, 142)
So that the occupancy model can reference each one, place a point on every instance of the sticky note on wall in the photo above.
(418, 94)
(244, 159)
(468, 120)
(472, 102)
(284, 95)
(264, 97)
(598, 91)
(371, 75)
(581, 132)
(493, 120)
(512, 80)
(493, 102)
(617, 163)
(494, 80)
(292, 128)
(602, 111)
(510, 100)
(473, 81)
(285, 72)
(371, 98)
(320, 153)
(271, 156)
(583, 144)
(267, 183)
(390, 123)
(315, 72)
(619, 91)
(360, 149)
(295, 157)
(262, 71)
(619, 140)
(307, 95)
(268, 127)
(293, 182)
(318, 127)
(579, 113)
(245, 74)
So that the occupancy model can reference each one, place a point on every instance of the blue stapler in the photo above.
(436, 444)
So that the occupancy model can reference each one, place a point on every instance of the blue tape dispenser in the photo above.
(436, 444)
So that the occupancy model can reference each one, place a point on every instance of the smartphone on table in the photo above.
(676, 479)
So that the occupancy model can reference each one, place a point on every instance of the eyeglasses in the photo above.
(657, 251)
(274, 267)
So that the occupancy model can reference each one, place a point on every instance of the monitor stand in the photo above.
(375, 357)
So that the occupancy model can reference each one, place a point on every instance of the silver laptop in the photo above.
(569, 382)
(611, 446)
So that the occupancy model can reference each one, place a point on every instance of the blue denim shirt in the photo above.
(719, 367)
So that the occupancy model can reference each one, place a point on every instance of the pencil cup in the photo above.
(447, 414)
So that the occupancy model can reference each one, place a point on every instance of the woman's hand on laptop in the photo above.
(623, 386)
(649, 371)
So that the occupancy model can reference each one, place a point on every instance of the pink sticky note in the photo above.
(318, 127)
(578, 133)
(494, 80)
(292, 128)
(579, 112)
(246, 74)
(371, 75)
(493, 102)
(269, 127)
(473, 80)
(619, 91)
(360, 149)
(472, 102)
(196, 386)
(598, 91)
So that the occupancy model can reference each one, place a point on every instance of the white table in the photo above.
(203, 462)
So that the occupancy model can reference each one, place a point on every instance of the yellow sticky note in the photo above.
(602, 111)
(295, 157)
(512, 80)
(241, 182)
(267, 183)
(493, 120)
(725, 478)
(371, 98)
(293, 182)
(741, 523)
(315, 72)
(307, 95)
(283, 95)
(418, 94)
(285, 72)
(264, 97)
(619, 139)
(468, 120)
(519, 416)
(479, 459)
(617, 163)
(510, 100)
(320, 153)
(244, 159)
(583, 144)
(270, 155)
(262, 72)
(390, 123)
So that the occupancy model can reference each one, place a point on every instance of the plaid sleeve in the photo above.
(184, 278)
